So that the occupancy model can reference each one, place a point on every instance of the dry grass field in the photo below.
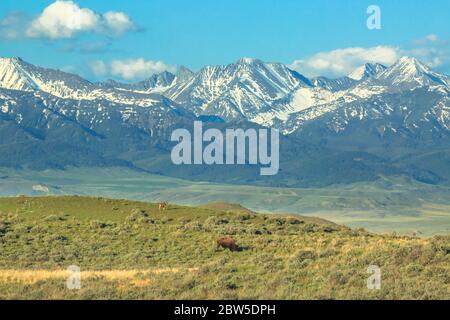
(131, 250)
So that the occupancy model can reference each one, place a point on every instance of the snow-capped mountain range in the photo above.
(264, 93)
(372, 108)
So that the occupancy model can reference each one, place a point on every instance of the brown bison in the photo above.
(163, 205)
(227, 243)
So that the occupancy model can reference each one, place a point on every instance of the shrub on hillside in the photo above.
(140, 216)
(304, 257)
(214, 221)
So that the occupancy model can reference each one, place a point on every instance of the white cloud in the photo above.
(431, 39)
(432, 50)
(341, 62)
(65, 19)
(118, 22)
(12, 26)
(99, 68)
(433, 57)
(130, 69)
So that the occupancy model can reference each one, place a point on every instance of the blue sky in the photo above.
(163, 34)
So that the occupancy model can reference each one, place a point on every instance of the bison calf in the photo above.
(227, 243)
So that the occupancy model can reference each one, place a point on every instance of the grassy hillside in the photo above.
(129, 249)
(386, 205)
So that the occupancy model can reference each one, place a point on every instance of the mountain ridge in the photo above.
(395, 112)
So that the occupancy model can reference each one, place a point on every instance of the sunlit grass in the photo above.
(131, 250)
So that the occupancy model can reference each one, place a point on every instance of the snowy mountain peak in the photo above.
(156, 83)
(409, 60)
(12, 59)
(17, 74)
(14, 76)
(183, 74)
(367, 70)
(410, 66)
(240, 89)
(409, 71)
